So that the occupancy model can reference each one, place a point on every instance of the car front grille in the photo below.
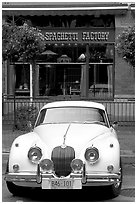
(62, 158)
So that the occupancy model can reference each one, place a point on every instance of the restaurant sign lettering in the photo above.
(79, 36)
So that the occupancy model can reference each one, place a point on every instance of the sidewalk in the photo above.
(126, 136)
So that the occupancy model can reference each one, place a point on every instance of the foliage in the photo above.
(125, 45)
(21, 42)
(24, 114)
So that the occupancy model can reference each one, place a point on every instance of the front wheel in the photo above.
(115, 189)
(14, 189)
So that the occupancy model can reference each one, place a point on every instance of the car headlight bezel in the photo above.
(92, 155)
(35, 154)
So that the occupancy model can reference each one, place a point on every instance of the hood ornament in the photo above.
(64, 137)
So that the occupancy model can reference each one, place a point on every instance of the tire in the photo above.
(115, 189)
(16, 190)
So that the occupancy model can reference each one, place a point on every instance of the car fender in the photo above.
(109, 153)
(19, 151)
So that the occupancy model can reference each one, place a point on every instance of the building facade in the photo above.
(80, 60)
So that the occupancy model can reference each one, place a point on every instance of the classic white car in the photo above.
(71, 146)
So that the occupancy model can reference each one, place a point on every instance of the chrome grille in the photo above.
(62, 158)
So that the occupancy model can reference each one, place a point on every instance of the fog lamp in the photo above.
(16, 167)
(76, 165)
(46, 165)
(92, 154)
(110, 168)
(34, 154)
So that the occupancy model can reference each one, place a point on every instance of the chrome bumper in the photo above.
(79, 179)
(88, 179)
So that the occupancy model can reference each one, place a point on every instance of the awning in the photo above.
(64, 4)
(66, 8)
(61, 13)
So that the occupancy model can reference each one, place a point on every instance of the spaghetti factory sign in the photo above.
(79, 36)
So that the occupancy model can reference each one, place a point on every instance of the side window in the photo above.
(41, 117)
(101, 116)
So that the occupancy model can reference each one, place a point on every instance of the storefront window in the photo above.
(22, 78)
(59, 79)
(100, 81)
(69, 51)
(101, 53)
(63, 71)
(101, 70)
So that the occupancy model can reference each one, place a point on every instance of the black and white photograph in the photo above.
(68, 101)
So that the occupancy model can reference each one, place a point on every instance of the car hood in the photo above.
(74, 135)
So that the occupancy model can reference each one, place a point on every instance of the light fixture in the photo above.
(34, 154)
(92, 154)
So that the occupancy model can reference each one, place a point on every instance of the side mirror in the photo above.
(29, 125)
(115, 124)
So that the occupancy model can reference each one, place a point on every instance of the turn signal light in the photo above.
(16, 167)
(110, 168)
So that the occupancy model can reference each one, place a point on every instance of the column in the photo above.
(10, 79)
(37, 80)
(87, 72)
(31, 87)
(85, 75)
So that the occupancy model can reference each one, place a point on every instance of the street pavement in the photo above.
(126, 137)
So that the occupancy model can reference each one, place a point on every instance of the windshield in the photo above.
(71, 114)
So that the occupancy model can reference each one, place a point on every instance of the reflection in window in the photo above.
(101, 52)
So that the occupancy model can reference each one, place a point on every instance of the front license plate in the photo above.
(61, 183)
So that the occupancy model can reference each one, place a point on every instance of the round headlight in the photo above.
(76, 165)
(46, 165)
(34, 154)
(92, 154)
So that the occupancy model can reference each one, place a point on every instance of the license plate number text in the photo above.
(61, 184)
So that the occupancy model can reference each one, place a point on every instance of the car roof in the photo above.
(74, 104)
